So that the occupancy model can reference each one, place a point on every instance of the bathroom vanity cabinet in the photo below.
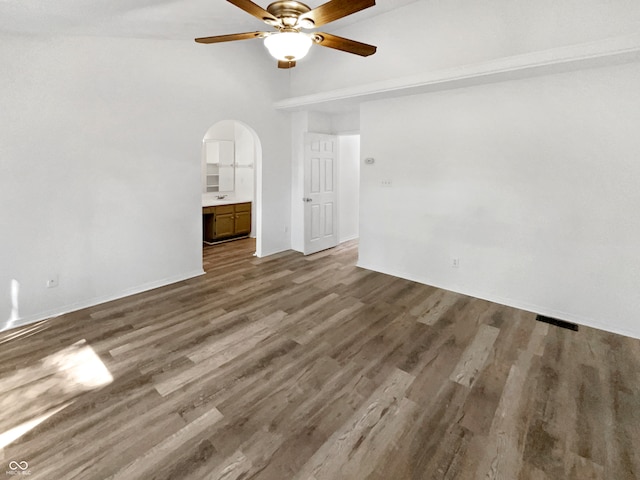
(226, 222)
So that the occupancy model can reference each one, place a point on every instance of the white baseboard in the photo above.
(510, 302)
(262, 255)
(92, 302)
(348, 239)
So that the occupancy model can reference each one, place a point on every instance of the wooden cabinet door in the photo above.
(243, 218)
(243, 223)
(224, 225)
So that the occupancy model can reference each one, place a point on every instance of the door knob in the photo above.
(306, 200)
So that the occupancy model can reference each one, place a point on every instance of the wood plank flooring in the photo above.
(309, 368)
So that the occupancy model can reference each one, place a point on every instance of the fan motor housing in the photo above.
(288, 11)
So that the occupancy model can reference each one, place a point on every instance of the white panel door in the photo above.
(320, 192)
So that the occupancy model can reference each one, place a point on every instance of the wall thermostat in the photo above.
(369, 161)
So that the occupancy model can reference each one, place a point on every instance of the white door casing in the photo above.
(320, 192)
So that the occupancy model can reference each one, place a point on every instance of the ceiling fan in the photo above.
(289, 44)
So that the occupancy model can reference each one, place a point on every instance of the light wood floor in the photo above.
(293, 367)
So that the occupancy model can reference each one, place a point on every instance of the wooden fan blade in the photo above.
(229, 38)
(334, 10)
(255, 10)
(290, 64)
(344, 44)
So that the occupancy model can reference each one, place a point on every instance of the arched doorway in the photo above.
(247, 170)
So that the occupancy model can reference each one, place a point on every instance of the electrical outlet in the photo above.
(455, 262)
(52, 281)
(386, 183)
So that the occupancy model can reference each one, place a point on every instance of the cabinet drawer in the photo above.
(243, 207)
(221, 209)
(208, 210)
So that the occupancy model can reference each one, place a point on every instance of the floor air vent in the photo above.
(557, 323)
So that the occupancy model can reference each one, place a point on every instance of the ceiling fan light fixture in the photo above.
(288, 46)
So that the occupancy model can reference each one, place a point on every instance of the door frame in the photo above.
(256, 204)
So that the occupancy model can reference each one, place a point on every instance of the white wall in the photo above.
(348, 186)
(347, 123)
(100, 162)
(532, 184)
(429, 35)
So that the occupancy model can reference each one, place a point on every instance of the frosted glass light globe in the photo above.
(288, 46)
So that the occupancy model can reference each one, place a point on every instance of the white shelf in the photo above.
(219, 165)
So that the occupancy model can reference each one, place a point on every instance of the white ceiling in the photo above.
(164, 19)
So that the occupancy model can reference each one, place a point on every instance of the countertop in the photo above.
(212, 202)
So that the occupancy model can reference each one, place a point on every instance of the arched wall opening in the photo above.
(248, 170)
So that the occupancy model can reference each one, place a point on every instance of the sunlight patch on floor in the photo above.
(33, 394)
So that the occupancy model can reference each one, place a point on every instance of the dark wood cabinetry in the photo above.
(225, 222)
